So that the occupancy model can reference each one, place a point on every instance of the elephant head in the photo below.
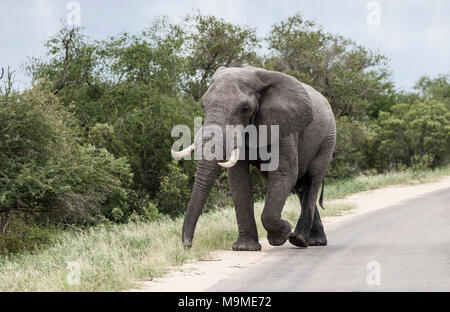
(243, 96)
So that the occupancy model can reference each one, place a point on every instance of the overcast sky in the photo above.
(414, 34)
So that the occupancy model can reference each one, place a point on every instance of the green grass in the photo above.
(114, 257)
(342, 188)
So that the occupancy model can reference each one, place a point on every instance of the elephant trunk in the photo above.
(207, 171)
(206, 174)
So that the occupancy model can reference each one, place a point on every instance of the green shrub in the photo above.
(414, 134)
(258, 182)
(220, 195)
(101, 134)
(19, 234)
(349, 156)
(176, 186)
(151, 212)
(47, 173)
(175, 190)
(421, 162)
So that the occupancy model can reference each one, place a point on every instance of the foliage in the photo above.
(349, 155)
(174, 191)
(42, 160)
(48, 174)
(143, 136)
(23, 235)
(421, 163)
(90, 141)
(211, 42)
(220, 195)
(437, 89)
(411, 134)
(351, 77)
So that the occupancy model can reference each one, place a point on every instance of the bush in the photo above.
(414, 134)
(175, 190)
(143, 137)
(47, 173)
(421, 163)
(176, 186)
(18, 234)
(101, 135)
(349, 156)
(220, 195)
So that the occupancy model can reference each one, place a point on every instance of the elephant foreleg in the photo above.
(242, 193)
(279, 186)
(278, 189)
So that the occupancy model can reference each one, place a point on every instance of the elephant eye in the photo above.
(244, 109)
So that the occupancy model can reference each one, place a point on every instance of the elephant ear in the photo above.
(283, 101)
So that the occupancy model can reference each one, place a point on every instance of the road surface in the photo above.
(404, 247)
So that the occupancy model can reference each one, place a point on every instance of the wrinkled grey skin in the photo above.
(306, 144)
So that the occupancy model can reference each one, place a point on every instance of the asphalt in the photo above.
(403, 247)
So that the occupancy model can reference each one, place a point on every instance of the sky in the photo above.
(413, 34)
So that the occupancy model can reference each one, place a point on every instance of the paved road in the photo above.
(407, 244)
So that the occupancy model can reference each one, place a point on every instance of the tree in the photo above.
(7, 88)
(352, 78)
(428, 130)
(70, 61)
(47, 173)
(412, 131)
(211, 42)
(389, 146)
(349, 156)
(434, 89)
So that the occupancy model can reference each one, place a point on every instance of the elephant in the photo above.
(307, 137)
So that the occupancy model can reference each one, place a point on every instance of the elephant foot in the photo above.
(317, 240)
(299, 239)
(246, 244)
(187, 244)
(280, 237)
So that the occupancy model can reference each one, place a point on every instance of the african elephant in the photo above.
(307, 137)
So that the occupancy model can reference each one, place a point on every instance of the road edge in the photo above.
(199, 275)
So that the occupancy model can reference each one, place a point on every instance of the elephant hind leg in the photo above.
(309, 230)
(301, 234)
(317, 235)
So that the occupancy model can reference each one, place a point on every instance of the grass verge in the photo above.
(114, 257)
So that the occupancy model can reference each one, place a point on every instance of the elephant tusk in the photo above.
(233, 159)
(184, 152)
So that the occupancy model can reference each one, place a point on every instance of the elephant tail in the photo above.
(321, 194)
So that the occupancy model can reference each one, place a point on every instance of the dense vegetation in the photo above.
(89, 141)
